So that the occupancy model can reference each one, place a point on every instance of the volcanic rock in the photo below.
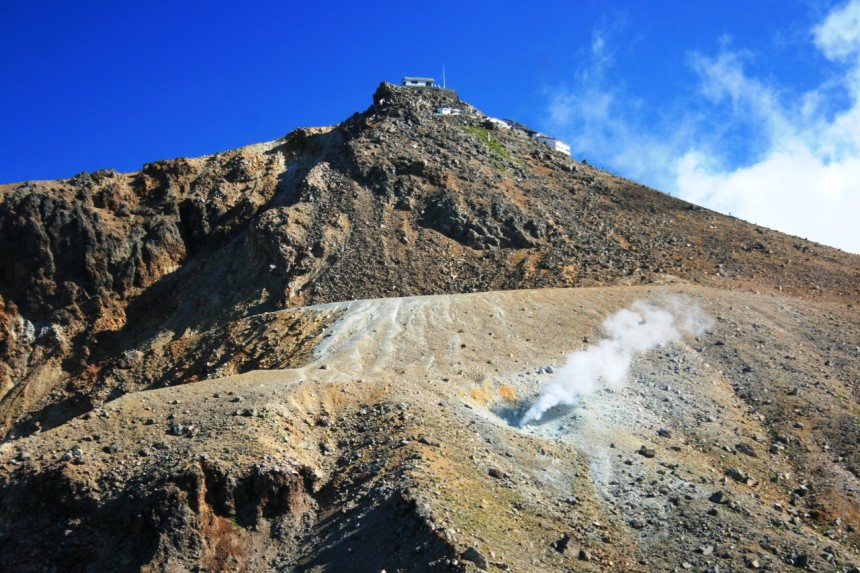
(475, 556)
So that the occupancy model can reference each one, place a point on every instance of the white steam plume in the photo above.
(631, 331)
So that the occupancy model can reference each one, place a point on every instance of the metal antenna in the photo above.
(443, 77)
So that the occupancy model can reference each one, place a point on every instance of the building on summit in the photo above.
(417, 82)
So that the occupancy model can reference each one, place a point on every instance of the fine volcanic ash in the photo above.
(630, 331)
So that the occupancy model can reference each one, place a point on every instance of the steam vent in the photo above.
(419, 340)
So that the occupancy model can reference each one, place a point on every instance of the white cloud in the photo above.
(839, 35)
(792, 190)
(741, 145)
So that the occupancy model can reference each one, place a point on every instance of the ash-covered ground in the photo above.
(397, 446)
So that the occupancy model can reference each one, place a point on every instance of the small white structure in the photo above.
(553, 143)
(417, 82)
(445, 110)
(498, 122)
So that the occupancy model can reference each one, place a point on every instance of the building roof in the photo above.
(519, 126)
(416, 79)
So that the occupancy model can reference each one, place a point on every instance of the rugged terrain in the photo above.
(310, 354)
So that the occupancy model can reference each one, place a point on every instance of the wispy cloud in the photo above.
(740, 144)
(602, 121)
(601, 125)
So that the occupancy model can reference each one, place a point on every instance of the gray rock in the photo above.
(496, 473)
(738, 475)
(646, 452)
(78, 455)
(475, 556)
(563, 544)
(746, 449)
(800, 560)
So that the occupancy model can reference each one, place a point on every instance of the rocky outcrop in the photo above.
(205, 513)
(498, 225)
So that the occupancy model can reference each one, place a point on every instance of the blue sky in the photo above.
(752, 108)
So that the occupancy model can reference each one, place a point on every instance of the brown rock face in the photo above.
(138, 311)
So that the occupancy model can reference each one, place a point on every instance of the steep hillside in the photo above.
(184, 377)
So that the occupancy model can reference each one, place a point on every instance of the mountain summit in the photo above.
(311, 354)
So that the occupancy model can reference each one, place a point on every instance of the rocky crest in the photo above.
(209, 269)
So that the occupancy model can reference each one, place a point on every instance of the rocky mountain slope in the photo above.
(210, 365)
